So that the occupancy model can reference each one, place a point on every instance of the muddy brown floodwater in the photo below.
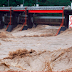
(36, 49)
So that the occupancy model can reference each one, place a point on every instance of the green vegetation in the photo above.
(32, 2)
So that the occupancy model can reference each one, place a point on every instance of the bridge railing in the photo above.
(33, 8)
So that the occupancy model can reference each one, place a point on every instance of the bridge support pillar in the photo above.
(66, 20)
(29, 21)
(67, 13)
(13, 21)
(25, 27)
(1, 22)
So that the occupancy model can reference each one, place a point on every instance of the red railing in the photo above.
(45, 11)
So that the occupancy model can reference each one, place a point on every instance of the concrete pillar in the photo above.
(29, 22)
(1, 22)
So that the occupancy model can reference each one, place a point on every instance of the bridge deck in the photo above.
(34, 8)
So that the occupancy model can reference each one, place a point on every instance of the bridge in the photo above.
(12, 15)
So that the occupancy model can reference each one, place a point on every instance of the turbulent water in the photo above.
(36, 49)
